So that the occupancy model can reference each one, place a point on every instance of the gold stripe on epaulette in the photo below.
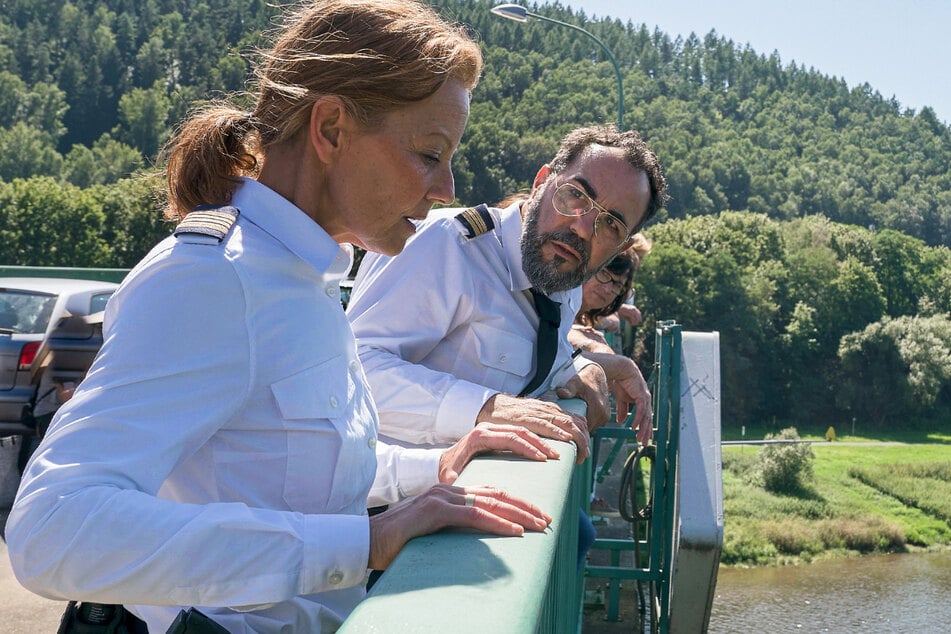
(211, 222)
(474, 219)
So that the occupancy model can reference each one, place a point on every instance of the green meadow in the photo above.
(867, 495)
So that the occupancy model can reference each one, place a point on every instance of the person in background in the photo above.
(626, 311)
(602, 296)
(220, 451)
(606, 297)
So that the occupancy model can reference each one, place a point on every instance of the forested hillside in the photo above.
(90, 89)
(809, 220)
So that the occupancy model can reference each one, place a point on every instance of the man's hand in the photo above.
(489, 437)
(591, 386)
(609, 323)
(629, 388)
(586, 336)
(631, 314)
(542, 417)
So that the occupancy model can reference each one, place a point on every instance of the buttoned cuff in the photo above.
(336, 552)
(459, 409)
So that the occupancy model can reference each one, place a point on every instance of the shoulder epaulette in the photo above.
(212, 222)
(476, 220)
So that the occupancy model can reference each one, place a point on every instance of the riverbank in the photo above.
(865, 497)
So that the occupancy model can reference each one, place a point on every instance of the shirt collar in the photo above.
(510, 234)
(292, 227)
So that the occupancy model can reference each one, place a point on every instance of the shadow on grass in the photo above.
(802, 493)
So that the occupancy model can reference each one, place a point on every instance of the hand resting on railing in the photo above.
(483, 508)
(488, 437)
(544, 418)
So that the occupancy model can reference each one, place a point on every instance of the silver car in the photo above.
(30, 309)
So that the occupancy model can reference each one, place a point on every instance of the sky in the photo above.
(900, 47)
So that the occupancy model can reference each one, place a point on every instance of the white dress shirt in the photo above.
(220, 450)
(448, 323)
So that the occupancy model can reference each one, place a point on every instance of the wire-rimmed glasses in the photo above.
(570, 200)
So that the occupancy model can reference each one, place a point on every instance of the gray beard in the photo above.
(545, 276)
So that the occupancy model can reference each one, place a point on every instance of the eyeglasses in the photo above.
(571, 200)
(603, 277)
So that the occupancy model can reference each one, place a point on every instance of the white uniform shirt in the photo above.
(220, 450)
(448, 323)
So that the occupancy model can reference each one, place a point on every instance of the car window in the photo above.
(98, 302)
(25, 312)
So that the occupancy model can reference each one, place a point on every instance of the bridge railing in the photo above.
(471, 582)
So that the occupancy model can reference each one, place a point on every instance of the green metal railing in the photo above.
(655, 548)
(480, 583)
(530, 584)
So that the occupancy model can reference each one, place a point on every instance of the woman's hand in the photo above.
(486, 509)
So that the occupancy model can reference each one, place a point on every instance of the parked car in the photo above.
(31, 309)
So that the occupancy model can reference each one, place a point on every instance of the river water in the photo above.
(890, 594)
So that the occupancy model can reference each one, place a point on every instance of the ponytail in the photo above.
(210, 151)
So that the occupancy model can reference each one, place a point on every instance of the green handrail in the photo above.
(656, 550)
(480, 583)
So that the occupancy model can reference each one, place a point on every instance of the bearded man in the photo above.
(449, 330)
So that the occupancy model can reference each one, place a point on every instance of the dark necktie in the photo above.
(549, 318)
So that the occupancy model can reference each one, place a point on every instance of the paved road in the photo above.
(21, 611)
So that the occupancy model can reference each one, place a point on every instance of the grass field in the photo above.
(873, 497)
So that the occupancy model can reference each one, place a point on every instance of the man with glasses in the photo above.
(447, 330)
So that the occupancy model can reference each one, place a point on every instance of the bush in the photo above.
(787, 467)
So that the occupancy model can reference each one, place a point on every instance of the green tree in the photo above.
(106, 162)
(143, 114)
(899, 259)
(897, 367)
(44, 223)
(26, 151)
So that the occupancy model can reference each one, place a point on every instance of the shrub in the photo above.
(785, 468)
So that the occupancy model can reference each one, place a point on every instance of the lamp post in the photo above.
(520, 14)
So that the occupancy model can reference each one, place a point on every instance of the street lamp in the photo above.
(520, 14)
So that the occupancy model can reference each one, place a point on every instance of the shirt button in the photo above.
(333, 401)
(331, 291)
(503, 358)
(371, 442)
(336, 578)
(354, 366)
